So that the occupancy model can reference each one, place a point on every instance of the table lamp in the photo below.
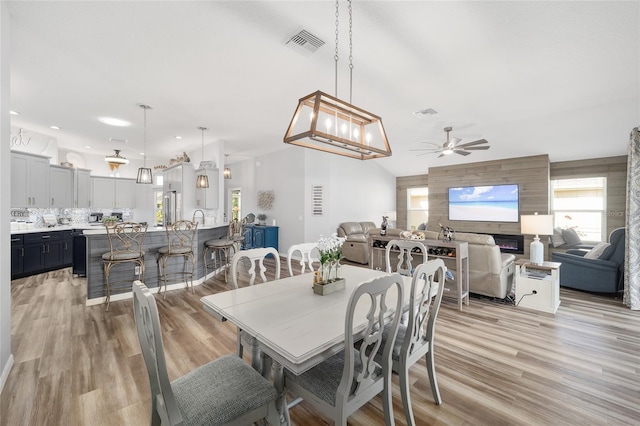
(536, 224)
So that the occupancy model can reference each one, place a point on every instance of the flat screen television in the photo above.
(495, 203)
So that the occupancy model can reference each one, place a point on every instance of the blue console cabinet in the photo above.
(257, 236)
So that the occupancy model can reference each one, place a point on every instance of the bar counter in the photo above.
(156, 237)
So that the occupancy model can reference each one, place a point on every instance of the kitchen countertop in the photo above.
(89, 229)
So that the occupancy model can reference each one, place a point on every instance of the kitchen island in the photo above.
(156, 237)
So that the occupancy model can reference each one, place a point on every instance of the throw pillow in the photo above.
(595, 252)
(556, 239)
(571, 237)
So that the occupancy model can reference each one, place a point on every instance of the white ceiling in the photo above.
(554, 77)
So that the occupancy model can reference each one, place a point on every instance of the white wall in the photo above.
(6, 359)
(354, 190)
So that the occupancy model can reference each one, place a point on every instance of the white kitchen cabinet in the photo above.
(108, 192)
(207, 198)
(82, 188)
(125, 193)
(29, 180)
(60, 187)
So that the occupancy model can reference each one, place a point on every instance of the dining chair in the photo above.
(306, 256)
(219, 248)
(256, 257)
(126, 244)
(406, 249)
(415, 339)
(180, 243)
(349, 379)
(224, 391)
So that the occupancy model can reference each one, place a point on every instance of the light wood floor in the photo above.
(496, 364)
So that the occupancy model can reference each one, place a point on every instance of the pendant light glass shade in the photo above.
(144, 172)
(227, 170)
(202, 180)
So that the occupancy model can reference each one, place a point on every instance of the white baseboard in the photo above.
(5, 372)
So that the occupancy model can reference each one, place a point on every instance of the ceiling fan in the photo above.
(452, 144)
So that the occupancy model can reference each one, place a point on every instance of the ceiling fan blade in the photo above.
(433, 144)
(461, 152)
(426, 149)
(476, 148)
(478, 142)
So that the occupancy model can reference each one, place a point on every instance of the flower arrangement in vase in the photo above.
(328, 279)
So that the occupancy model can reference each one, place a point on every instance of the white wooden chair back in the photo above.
(145, 311)
(307, 256)
(256, 257)
(404, 264)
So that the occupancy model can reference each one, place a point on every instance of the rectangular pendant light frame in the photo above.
(348, 130)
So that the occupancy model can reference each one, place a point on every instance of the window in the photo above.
(580, 204)
(417, 207)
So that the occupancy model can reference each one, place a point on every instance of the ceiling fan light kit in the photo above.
(116, 160)
(336, 126)
(453, 145)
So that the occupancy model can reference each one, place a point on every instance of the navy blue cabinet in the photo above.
(257, 236)
(37, 252)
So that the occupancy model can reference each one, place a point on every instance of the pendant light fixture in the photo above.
(202, 181)
(337, 126)
(227, 170)
(144, 172)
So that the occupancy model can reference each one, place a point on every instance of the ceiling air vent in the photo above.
(304, 42)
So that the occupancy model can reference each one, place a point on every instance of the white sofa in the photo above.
(490, 271)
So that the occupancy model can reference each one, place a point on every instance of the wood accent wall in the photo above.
(614, 169)
(532, 174)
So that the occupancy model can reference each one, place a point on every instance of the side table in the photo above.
(537, 286)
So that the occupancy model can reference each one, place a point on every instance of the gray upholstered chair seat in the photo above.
(175, 250)
(123, 255)
(324, 379)
(228, 383)
(222, 242)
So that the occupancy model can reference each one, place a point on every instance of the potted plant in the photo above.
(262, 219)
(328, 278)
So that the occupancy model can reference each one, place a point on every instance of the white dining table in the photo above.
(296, 328)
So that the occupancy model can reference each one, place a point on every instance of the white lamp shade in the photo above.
(536, 224)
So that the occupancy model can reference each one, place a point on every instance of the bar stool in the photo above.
(222, 247)
(126, 244)
(180, 238)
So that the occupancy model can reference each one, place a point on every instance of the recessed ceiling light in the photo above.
(14, 113)
(142, 153)
(178, 137)
(55, 127)
(114, 121)
(88, 146)
(425, 112)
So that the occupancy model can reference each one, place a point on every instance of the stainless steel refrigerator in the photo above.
(171, 205)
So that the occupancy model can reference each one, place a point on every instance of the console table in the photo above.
(537, 286)
(454, 253)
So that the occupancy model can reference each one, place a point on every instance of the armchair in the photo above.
(601, 275)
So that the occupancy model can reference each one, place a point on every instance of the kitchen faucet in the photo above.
(194, 215)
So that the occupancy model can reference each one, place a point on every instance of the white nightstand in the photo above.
(537, 286)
